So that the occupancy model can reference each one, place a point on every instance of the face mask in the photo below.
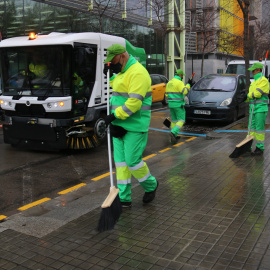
(116, 68)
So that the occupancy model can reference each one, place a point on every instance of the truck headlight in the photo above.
(226, 102)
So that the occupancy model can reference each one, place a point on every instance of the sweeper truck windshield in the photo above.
(39, 71)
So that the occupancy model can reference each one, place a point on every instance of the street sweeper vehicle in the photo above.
(54, 90)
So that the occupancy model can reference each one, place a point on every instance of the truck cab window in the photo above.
(84, 75)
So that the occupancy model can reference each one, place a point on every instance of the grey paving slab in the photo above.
(211, 212)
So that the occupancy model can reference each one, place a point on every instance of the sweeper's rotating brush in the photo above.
(83, 137)
(87, 142)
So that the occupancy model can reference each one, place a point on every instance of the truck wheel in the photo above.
(100, 128)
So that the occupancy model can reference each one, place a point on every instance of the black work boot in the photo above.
(257, 152)
(126, 204)
(150, 196)
(174, 138)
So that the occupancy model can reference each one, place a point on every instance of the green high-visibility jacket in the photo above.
(175, 91)
(132, 97)
(258, 94)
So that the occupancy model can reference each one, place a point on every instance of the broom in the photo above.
(167, 122)
(111, 207)
(246, 144)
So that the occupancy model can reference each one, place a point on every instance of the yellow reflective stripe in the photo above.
(259, 101)
(136, 167)
(146, 108)
(124, 182)
(184, 89)
(138, 96)
(121, 164)
(174, 93)
(141, 173)
(144, 178)
(117, 94)
(175, 98)
(127, 110)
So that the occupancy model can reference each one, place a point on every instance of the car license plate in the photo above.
(202, 112)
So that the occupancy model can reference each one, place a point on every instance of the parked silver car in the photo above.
(217, 97)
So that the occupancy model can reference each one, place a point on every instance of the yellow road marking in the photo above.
(187, 136)
(101, 176)
(145, 158)
(2, 217)
(27, 206)
(193, 138)
(164, 150)
(178, 144)
(71, 189)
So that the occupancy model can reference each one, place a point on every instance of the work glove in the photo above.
(105, 70)
(109, 118)
(191, 82)
(117, 131)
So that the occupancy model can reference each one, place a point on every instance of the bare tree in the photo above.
(102, 9)
(207, 31)
(262, 35)
(230, 44)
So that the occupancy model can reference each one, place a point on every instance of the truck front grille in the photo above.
(36, 110)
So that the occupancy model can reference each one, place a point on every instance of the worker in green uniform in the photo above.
(130, 107)
(37, 66)
(258, 97)
(175, 92)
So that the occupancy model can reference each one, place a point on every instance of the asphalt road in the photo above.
(27, 176)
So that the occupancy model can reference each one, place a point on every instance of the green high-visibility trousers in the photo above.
(258, 128)
(178, 116)
(128, 160)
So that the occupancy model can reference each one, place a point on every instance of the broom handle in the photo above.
(264, 67)
(108, 129)
(249, 128)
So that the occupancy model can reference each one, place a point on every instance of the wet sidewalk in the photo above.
(210, 212)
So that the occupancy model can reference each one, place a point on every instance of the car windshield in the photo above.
(36, 71)
(238, 69)
(215, 83)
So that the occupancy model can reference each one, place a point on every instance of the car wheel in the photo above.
(165, 100)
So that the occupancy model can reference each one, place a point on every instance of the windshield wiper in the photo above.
(216, 90)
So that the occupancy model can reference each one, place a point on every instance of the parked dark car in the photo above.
(217, 97)
(158, 87)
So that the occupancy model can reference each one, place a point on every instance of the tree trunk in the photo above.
(246, 46)
(202, 63)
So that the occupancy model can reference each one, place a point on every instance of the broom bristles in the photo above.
(110, 211)
(240, 150)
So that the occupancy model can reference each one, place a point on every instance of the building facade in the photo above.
(212, 30)
(215, 29)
